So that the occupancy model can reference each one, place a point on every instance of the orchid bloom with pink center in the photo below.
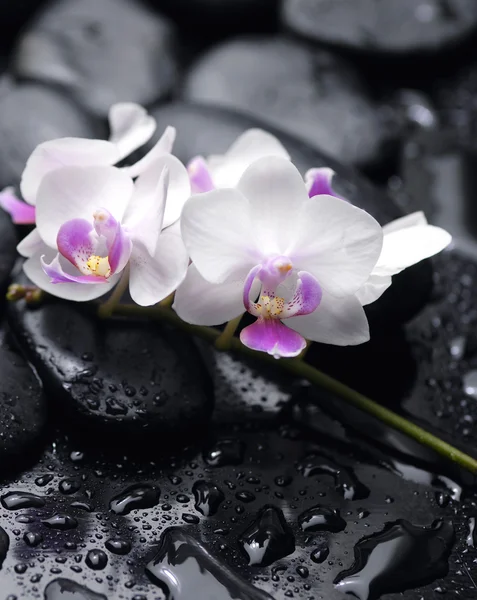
(267, 246)
(94, 221)
(225, 171)
(130, 126)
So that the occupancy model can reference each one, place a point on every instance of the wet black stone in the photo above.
(101, 52)
(135, 497)
(23, 411)
(29, 115)
(56, 337)
(384, 26)
(13, 16)
(8, 241)
(301, 91)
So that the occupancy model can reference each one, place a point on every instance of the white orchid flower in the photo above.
(93, 221)
(304, 258)
(130, 127)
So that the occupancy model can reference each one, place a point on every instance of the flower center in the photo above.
(270, 307)
(99, 265)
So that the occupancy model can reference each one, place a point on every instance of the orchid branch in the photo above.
(303, 370)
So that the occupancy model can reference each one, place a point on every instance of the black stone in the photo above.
(29, 115)
(204, 130)
(13, 16)
(8, 255)
(23, 410)
(102, 52)
(311, 94)
(88, 365)
(384, 26)
(60, 589)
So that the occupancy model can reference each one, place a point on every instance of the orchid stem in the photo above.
(225, 338)
(303, 370)
(106, 309)
(304, 352)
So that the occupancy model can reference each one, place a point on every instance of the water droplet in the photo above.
(399, 557)
(225, 452)
(418, 475)
(283, 480)
(191, 519)
(118, 546)
(345, 480)
(115, 406)
(69, 486)
(302, 571)
(44, 479)
(182, 498)
(20, 568)
(208, 497)
(268, 538)
(320, 554)
(457, 347)
(472, 536)
(62, 522)
(470, 384)
(320, 518)
(184, 569)
(32, 538)
(19, 500)
(136, 496)
(82, 506)
(245, 496)
(61, 589)
(96, 559)
(76, 456)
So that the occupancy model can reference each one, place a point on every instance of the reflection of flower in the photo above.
(93, 221)
(130, 126)
(304, 258)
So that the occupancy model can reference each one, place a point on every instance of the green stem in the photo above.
(304, 370)
(106, 309)
(225, 338)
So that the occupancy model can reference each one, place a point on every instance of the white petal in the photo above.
(77, 192)
(227, 169)
(178, 191)
(337, 321)
(153, 279)
(412, 220)
(405, 247)
(162, 146)
(337, 243)
(63, 152)
(373, 289)
(217, 232)
(69, 291)
(202, 303)
(30, 244)
(276, 191)
(131, 126)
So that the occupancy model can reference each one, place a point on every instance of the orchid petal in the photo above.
(249, 305)
(63, 152)
(253, 144)
(131, 126)
(318, 182)
(276, 191)
(20, 212)
(76, 192)
(202, 303)
(120, 250)
(69, 291)
(306, 298)
(373, 289)
(75, 243)
(162, 146)
(55, 272)
(217, 231)
(152, 279)
(337, 321)
(199, 175)
(403, 248)
(271, 336)
(30, 244)
(338, 244)
(413, 220)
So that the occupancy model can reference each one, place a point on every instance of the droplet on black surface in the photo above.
(399, 557)
(62, 522)
(136, 496)
(32, 538)
(320, 554)
(321, 518)
(184, 569)
(69, 486)
(64, 589)
(471, 538)
(225, 452)
(245, 496)
(190, 519)
(470, 384)
(118, 546)
(19, 500)
(345, 480)
(268, 538)
(96, 559)
(208, 497)
(44, 479)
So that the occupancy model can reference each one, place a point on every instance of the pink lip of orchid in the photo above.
(131, 127)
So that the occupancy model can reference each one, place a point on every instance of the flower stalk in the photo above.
(304, 370)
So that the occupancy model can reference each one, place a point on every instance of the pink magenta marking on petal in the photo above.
(106, 225)
(75, 244)
(120, 250)
(271, 336)
(249, 305)
(318, 182)
(20, 212)
(306, 298)
(199, 175)
(55, 272)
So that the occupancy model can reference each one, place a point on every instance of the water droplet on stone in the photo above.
(118, 546)
(134, 497)
(32, 538)
(321, 518)
(225, 452)
(320, 554)
(345, 480)
(62, 522)
(64, 589)
(470, 384)
(96, 559)
(245, 496)
(19, 500)
(208, 497)
(69, 486)
(191, 519)
(472, 536)
(44, 479)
